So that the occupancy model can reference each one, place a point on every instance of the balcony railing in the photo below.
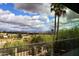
(34, 49)
(58, 47)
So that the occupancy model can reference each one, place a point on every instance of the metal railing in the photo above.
(42, 49)
(34, 49)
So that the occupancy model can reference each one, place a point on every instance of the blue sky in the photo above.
(10, 24)
(15, 19)
(11, 8)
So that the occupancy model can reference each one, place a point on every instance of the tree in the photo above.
(59, 10)
(36, 39)
(19, 35)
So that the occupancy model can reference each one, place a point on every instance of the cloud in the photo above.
(34, 7)
(44, 8)
(3, 13)
(12, 22)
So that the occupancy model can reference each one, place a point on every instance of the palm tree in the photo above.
(53, 9)
(59, 10)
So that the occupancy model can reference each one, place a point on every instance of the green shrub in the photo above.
(13, 44)
(36, 39)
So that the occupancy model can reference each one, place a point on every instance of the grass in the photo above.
(13, 41)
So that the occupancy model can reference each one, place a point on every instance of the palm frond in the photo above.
(52, 9)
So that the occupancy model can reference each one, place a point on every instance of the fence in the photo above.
(34, 49)
(58, 47)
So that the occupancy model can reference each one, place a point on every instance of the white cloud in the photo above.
(45, 8)
(35, 17)
(3, 13)
(10, 21)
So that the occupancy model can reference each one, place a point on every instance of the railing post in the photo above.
(15, 51)
(25, 53)
(22, 53)
(42, 48)
(35, 50)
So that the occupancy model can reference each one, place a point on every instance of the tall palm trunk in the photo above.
(55, 26)
(57, 29)
(54, 35)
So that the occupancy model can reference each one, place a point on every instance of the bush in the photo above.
(36, 39)
(69, 33)
(14, 44)
(47, 38)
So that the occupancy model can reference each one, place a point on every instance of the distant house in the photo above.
(5, 35)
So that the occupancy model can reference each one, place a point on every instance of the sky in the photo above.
(32, 17)
(14, 19)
